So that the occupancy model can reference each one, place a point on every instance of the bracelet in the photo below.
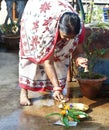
(60, 90)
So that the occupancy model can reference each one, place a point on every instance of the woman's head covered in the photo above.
(69, 23)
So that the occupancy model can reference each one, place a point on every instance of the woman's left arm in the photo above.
(80, 58)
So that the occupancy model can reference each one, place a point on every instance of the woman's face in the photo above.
(66, 37)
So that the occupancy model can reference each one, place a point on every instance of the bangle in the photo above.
(60, 90)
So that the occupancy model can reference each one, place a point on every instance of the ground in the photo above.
(16, 117)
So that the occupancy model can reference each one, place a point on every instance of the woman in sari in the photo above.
(50, 32)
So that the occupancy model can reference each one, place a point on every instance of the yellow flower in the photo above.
(66, 107)
(63, 112)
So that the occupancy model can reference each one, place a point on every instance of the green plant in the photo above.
(68, 113)
(11, 28)
(93, 13)
(92, 54)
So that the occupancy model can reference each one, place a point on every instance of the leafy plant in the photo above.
(93, 13)
(11, 28)
(92, 54)
(68, 113)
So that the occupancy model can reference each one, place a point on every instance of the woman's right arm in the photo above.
(51, 72)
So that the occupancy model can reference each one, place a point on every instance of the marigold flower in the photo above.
(63, 112)
(67, 107)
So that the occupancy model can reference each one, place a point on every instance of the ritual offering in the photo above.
(70, 113)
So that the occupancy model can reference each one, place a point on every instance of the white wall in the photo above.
(3, 12)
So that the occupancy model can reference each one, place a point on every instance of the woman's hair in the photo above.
(69, 23)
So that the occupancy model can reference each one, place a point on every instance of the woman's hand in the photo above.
(57, 95)
(83, 62)
(52, 75)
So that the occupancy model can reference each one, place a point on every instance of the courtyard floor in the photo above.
(16, 117)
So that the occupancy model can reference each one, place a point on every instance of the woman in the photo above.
(50, 31)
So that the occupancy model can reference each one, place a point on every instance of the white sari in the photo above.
(39, 39)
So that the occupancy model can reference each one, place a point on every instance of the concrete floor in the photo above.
(15, 117)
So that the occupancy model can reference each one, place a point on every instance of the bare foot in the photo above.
(24, 98)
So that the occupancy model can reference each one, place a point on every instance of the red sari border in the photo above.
(37, 89)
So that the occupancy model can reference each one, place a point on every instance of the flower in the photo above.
(66, 107)
(63, 112)
(67, 113)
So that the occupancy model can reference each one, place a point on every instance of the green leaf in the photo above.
(74, 117)
(76, 113)
(52, 114)
(65, 121)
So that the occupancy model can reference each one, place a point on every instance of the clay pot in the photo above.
(11, 42)
(90, 87)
